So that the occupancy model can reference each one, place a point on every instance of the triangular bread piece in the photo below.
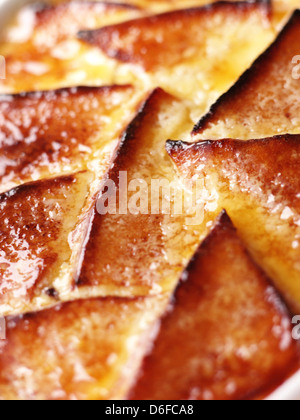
(186, 52)
(226, 336)
(43, 225)
(264, 101)
(82, 350)
(42, 52)
(126, 253)
(50, 133)
(258, 182)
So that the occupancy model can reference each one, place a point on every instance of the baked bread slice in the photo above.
(43, 226)
(42, 52)
(90, 288)
(206, 34)
(264, 101)
(87, 349)
(44, 134)
(258, 184)
(186, 51)
(212, 342)
(131, 259)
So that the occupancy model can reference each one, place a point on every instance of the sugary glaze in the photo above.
(40, 240)
(258, 183)
(185, 52)
(224, 330)
(264, 102)
(44, 134)
(86, 349)
(77, 285)
(126, 253)
(42, 51)
(206, 34)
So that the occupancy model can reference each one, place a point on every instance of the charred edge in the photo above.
(287, 138)
(124, 148)
(46, 183)
(52, 293)
(246, 78)
(90, 36)
(131, 131)
(87, 36)
(70, 90)
(173, 147)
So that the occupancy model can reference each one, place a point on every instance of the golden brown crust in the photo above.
(162, 40)
(263, 101)
(123, 248)
(212, 342)
(37, 220)
(87, 349)
(54, 245)
(42, 52)
(58, 22)
(47, 133)
(257, 182)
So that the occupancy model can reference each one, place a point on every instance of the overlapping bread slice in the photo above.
(42, 52)
(50, 133)
(43, 225)
(127, 250)
(264, 101)
(45, 135)
(87, 349)
(258, 183)
(195, 54)
(92, 348)
(226, 335)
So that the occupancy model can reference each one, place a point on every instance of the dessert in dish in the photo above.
(106, 300)
(228, 298)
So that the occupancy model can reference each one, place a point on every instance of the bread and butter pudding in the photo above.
(144, 302)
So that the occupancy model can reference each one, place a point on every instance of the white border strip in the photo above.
(290, 390)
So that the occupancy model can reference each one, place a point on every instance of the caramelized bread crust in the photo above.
(43, 134)
(87, 349)
(225, 336)
(186, 51)
(162, 40)
(258, 183)
(39, 240)
(188, 61)
(126, 253)
(265, 99)
(93, 274)
(42, 52)
(54, 23)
